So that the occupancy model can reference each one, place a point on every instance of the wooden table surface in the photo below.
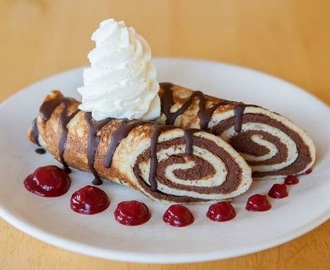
(286, 38)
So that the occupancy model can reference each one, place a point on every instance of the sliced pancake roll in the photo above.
(166, 163)
(270, 143)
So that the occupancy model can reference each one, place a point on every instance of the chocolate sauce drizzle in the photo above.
(157, 130)
(46, 111)
(47, 108)
(153, 157)
(93, 141)
(118, 135)
(238, 111)
(204, 115)
(64, 120)
(188, 137)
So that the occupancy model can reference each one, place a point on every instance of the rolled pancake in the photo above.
(270, 143)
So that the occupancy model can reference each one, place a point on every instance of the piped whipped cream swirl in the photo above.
(121, 81)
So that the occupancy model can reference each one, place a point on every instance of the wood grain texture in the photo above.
(287, 38)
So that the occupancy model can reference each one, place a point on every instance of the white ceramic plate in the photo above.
(52, 221)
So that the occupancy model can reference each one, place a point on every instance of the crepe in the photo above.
(271, 144)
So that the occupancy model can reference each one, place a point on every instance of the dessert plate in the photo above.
(51, 219)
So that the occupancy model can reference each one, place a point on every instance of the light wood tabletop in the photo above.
(286, 38)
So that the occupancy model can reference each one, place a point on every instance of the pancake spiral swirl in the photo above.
(212, 171)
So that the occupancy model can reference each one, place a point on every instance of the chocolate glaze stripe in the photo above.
(188, 137)
(203, 114)
(157, 130)
(93, 142)
(238, 111)
(167, 102)
(120, 133)
(153, 157)
(46, 110)
(64, 120)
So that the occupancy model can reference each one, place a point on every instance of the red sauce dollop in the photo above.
(291, 180)
(278, 191)
(178, 215)
(221, 211)
(132, 213)
(89, 200)
(258, 203)
(48, 181)
(310, 170)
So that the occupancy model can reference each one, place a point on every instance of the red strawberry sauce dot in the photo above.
(278, 191)
(132, 213)
(48, 181)
(291, 180)
(309, 171)
(89, 200)
(221, 211)
(178, 215)
(258, 203)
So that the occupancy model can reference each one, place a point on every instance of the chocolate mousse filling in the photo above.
(243, 143)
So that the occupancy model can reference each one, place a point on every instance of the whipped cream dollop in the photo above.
(121, 81)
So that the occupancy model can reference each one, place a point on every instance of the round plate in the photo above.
(51, 219)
